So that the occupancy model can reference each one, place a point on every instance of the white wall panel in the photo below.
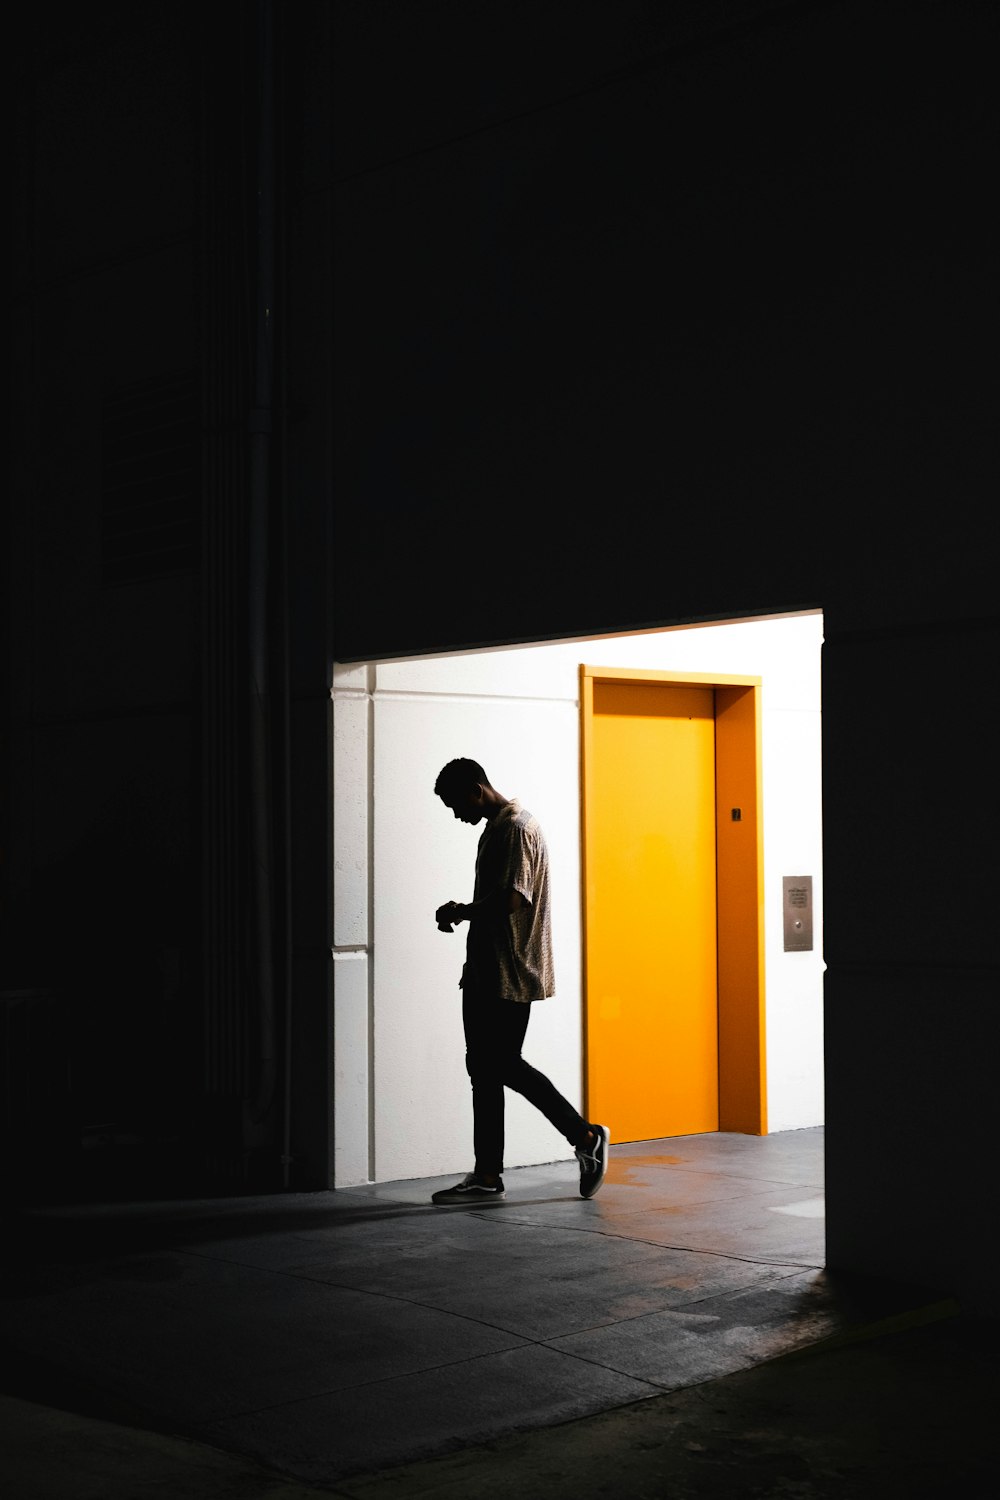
(423, 857)
(350, 820)
(350, 1068)
(793, 846)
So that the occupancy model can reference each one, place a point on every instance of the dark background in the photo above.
(363, 329)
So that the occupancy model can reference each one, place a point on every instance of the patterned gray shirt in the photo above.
(510, 955)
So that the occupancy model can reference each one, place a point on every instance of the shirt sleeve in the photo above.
(523, 863)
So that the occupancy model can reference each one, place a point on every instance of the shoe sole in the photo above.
(466, 1202)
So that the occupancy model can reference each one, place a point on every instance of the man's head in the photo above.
(464, 787)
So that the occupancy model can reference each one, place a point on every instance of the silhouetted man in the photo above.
(508, 965)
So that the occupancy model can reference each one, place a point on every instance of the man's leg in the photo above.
(520, 1076)
(590, 1142)
(494, 1034)
(485, 1046)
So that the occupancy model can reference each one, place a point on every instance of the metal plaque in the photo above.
(797, 891)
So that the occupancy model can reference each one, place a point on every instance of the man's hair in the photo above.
(459, 776)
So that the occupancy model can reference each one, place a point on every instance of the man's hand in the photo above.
(448, 914)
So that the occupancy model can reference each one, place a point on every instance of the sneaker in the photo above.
(593, 1161)
(469, 1190)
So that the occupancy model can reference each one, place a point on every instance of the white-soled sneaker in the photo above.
(469, 1190)
(593, 1161)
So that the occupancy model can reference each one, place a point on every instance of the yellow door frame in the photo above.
(740, 881)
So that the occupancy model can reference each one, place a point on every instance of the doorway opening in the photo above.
(517, 709)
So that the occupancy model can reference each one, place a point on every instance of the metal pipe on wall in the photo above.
(259, 580)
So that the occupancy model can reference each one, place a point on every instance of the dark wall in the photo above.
(100, 912)
(599, 280)
(166, 635)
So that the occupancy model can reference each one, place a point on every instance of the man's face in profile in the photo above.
(466, 806)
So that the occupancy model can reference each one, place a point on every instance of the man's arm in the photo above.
(496, 903)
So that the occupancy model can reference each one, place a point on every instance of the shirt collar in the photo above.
(509, 810)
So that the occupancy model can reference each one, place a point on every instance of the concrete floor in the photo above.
(675, 1336)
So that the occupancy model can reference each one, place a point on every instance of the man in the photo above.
(508, 966)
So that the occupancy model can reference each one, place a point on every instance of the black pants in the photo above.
(494, 1036)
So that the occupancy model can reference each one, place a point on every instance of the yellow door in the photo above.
(651, 920)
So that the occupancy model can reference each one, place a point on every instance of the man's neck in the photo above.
(495, 804)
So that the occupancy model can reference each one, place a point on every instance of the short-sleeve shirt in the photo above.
(510, 955)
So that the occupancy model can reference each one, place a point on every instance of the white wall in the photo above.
(403, 1105)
